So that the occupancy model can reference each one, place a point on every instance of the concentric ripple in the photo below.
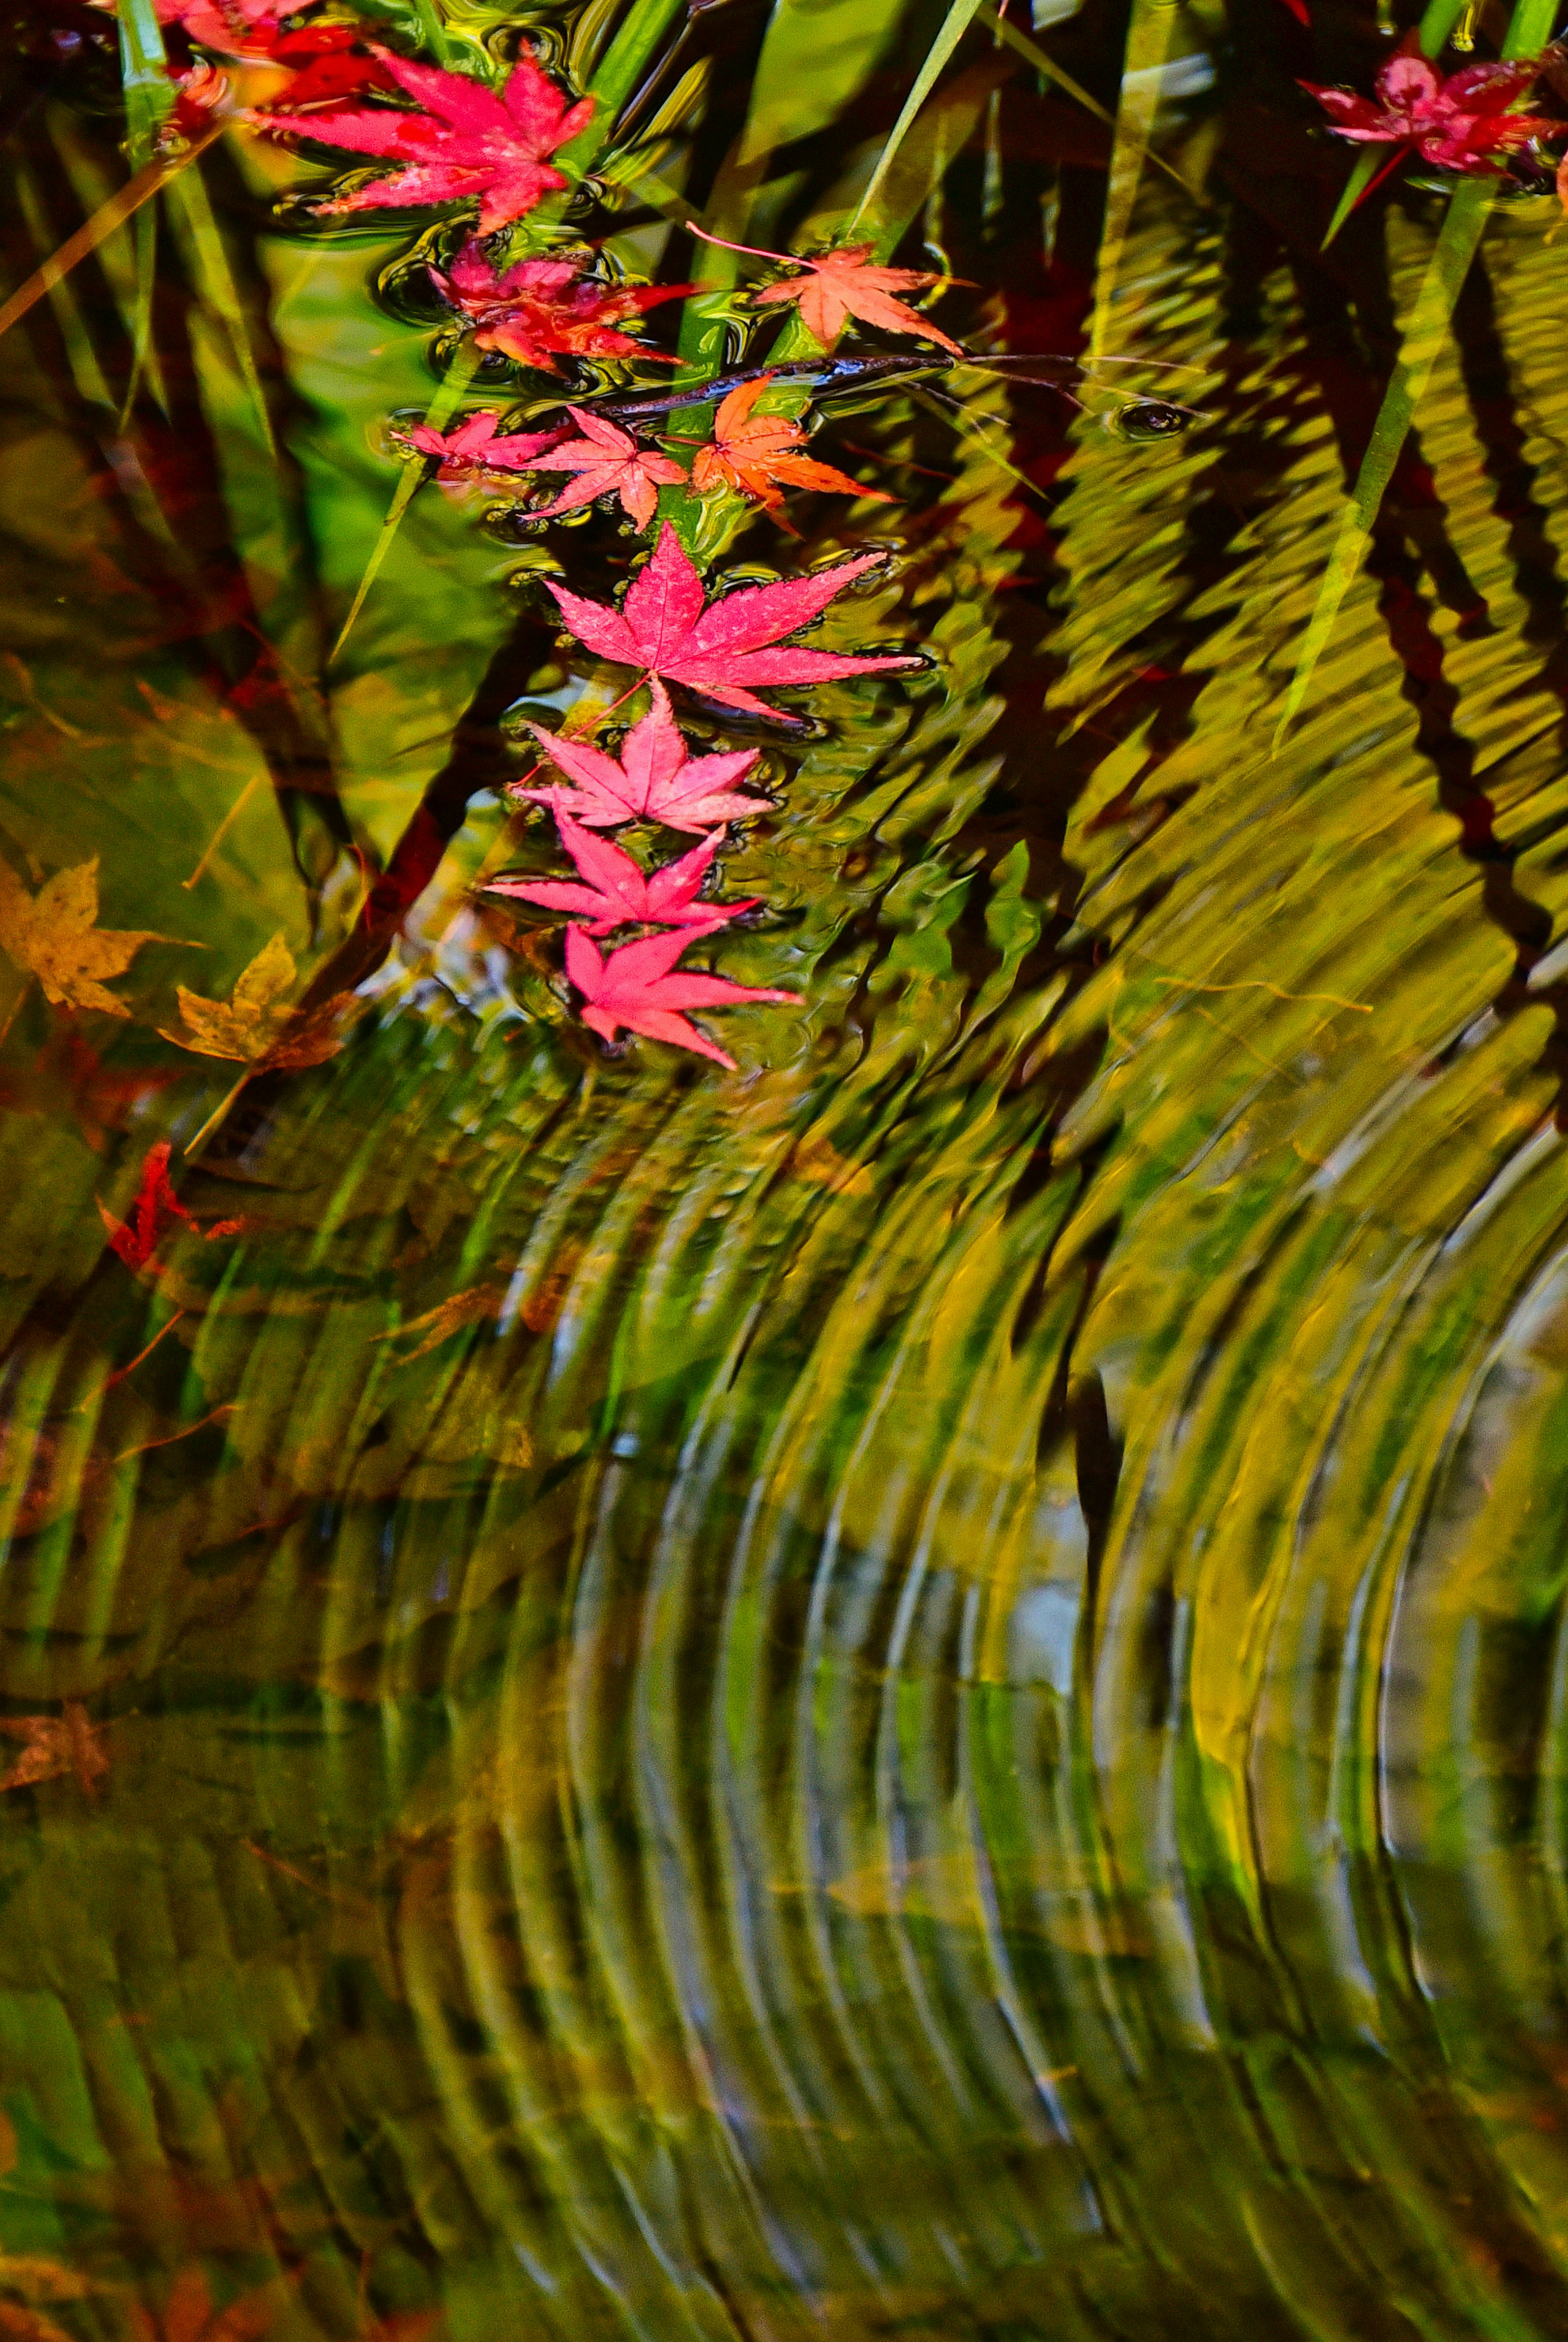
(926, 1692)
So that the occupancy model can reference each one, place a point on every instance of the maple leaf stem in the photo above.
(193, 1147)
(136, 190)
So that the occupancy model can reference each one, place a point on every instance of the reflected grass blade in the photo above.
(959, 18)
(1148, 39)
(1446, 271)
(216, 285)
(442, 407)
(1022, 46)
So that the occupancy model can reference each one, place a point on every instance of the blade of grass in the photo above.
(1457, 243)
(1369, 162)
(136, 190)
(956, 22)
(444, 404)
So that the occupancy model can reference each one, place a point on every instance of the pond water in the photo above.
(920, 1689)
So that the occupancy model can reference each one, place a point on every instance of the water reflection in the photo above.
(919, 1693)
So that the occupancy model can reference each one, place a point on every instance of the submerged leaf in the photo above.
(253, 1028)
(55, 935)
(545, 309)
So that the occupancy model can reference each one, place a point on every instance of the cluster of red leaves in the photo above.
(156, 1209)
(545, 309)
(1461, 121)
(328, 62)
(668, 629)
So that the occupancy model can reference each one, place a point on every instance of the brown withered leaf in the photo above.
(55, 1744)
(254, 1026)
(55, 935)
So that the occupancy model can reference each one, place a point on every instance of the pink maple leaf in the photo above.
(608, 461)
(475, 446)
(467, 139)
(657, 779)
(721, 649)
(545, 309)
(1459, 120)
(633, 987)
(616, 891)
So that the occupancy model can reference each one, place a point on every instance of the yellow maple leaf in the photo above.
(53, 936)
(254, 1026)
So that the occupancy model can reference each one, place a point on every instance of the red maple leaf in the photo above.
(665, 629)
(156, 1208)
(466, 140)
(657, 778)
(633, 987)
(235, 28)
(618, 892)
(543, 309)
(475, 446)
(750, 452)
(608, 462)
(1298, 9)
(847, 284)
(1459, 120)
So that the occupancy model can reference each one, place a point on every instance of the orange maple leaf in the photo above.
(847, 284)
(750, 452)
